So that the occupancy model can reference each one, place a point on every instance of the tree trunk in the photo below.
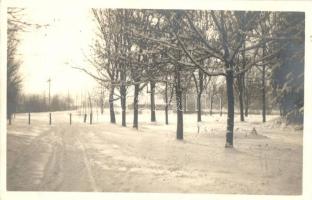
(166, 115)
(123, 109)
(136, 106)
(123, 96)
(263, 95)
(263, 88)
(241, 96)
(220, 105)
(179, 99)
(91, 117)
(230, 111)
(102, 105)
(199, 110)
(246, 102)
(211, 101)
(153, 114)
(200, 91)
(85, 118)
(184, 101)
(91, 109)
(84, 107)
(111, 105)
(166, 106)
(244, 78)
(102, 100)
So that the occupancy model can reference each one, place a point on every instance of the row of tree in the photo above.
(178, 48)
(184, 50)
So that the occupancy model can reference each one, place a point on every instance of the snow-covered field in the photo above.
(110, 158)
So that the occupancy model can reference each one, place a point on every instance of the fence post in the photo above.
(29, 118)
(70, 118)
(50, 118)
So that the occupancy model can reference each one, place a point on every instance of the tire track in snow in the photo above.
(27, 171)
(29, 147)
(87, 164)
(53, 172)
(56, 175)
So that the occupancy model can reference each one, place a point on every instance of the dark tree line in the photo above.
(14, 79)
(39, 103)
(184, 49)
(15, 26)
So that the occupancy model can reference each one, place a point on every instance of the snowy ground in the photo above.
(111, 158)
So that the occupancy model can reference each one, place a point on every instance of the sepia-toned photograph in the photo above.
(149, 100)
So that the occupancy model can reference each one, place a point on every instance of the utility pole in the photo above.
(50, 117)
(49, 80)
(68, 100)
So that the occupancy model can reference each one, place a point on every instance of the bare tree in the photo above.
(143, 43)
(14, 79)
(223, 40)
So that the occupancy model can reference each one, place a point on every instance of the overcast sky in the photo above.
(52, 51)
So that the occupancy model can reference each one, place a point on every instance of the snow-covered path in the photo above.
(111, 158)
(54, 160)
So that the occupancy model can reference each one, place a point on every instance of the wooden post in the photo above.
(50, 118)
(29, 118)
(70, 118)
